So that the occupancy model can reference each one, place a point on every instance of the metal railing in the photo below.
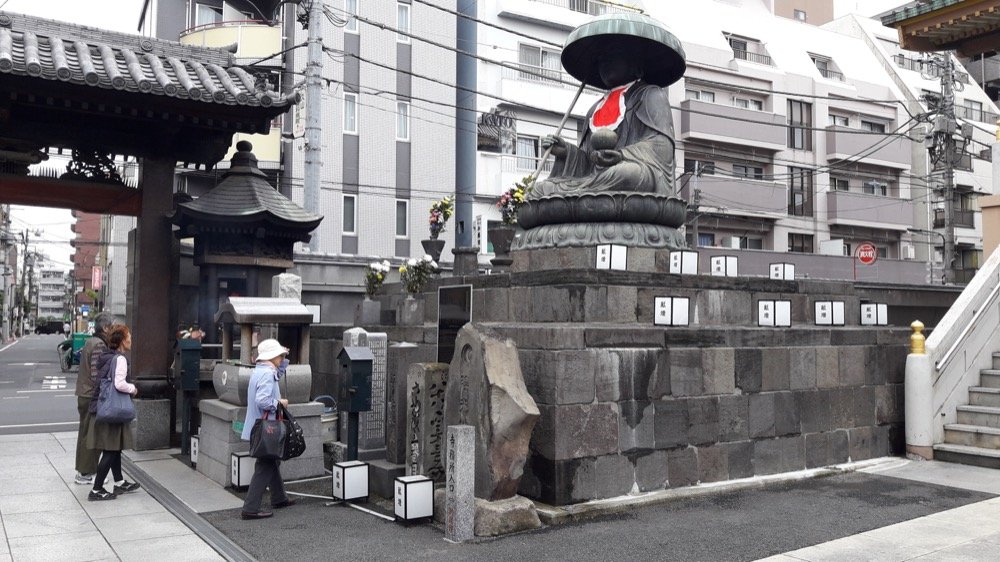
(924, 66)
(980, 115)
(215, 24)
(532, 73)
(593, 7)
(514, 163)
(753, 57)
(961, 218)
(831, 74)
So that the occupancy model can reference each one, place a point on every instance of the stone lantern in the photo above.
(244, 234)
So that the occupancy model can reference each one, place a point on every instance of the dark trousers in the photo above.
(266, 474)
(86, 459)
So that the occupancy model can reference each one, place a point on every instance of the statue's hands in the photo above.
(606, 158)
(558, 145)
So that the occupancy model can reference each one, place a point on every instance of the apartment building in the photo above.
(388, 122)
(790, 137)
(51, 296)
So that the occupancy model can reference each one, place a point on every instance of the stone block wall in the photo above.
(616, 420)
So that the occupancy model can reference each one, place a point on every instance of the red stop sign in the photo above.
(866, 253)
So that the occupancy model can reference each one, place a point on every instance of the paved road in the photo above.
(35, 396)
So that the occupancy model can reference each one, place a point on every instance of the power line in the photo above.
(488, 24)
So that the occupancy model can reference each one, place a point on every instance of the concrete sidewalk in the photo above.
(45, 516)
(890, 510)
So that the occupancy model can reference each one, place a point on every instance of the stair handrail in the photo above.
(946, 359)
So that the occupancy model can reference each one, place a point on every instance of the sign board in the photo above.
(671, 311)
(96, 278)
(684, 263)
(866, 253)
(612, 256)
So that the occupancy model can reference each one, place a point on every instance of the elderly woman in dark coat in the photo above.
(112, 438)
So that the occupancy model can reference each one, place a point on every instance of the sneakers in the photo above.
(100, 495)
(84, 479)
(125, 487)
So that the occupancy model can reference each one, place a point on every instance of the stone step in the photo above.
(989, 378)
(984, 396)
(972, 435)
(979, 415)
(964, 454)
(996, 359)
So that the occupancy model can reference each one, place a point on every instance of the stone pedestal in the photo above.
(466, 261)
(286, 286)
(410, 311)
(368, 313)
(219, 438)
(152, 424)
(425, 420)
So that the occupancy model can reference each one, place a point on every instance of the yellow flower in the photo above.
(402, 269)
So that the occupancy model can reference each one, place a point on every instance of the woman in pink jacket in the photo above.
(112, 438)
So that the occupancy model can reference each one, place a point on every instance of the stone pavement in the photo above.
(886, 510)
(45, 516)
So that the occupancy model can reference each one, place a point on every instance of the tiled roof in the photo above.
(65, 52)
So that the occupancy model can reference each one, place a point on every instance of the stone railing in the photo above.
(961, 344)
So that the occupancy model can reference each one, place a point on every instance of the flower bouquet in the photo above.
(415, 273)
(375, 274)
(441, 211)
(512, 199)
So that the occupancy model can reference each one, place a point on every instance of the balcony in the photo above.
(831, 74)
(860, 209)
(559, 14)
(497, 173)
(254, 39)
(540, 75)
(733, 125)
(843, 143)
(760, 197)
(979, 115)
(751, 56)
(592, 7)
(963, 219)
(924, 67)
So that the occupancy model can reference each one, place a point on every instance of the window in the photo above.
(351, 7)
(403, 22)
(745, 103)
(703, 167)
(747, 243)
(402, 120)
(799, 15)
(839, 120)
(970, 109)
(749, 172)
(592, 7)
(402, 218)
(799, 125)
(800, 243)
(527, 152)
(544, 63)
(701, 95)
(351, 113)
(875, 187)
(350, 215)
(800, 184)
(205, 14)
(748, 49)
(873, 126)
(839, 184)
(739, 46)
(706, 239)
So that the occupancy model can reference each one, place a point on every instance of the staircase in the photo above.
(975, 439)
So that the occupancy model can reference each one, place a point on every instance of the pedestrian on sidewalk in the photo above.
(263, 395)
(86, 459)
(112, 438)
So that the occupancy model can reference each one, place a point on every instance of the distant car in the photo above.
(50, 327)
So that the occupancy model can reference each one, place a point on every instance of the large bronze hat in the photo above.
(661, 54)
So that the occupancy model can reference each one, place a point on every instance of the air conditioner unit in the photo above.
(909, 252)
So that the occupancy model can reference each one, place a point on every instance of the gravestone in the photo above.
(486, 390)
(426, 383)
(400, 357)
(460, 497)
(371, 427)
(454, 311)
(286, 286)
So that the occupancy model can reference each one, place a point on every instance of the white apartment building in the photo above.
(51, 295)
(784, 130)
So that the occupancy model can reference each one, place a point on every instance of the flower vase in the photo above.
(433, 248)
(410, 311)
(501, 236)
(368, 313)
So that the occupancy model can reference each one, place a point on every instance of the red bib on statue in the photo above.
(611, 111)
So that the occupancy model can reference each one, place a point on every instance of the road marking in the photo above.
(14, 397)
(54, 382)
(64, 395)
(34, 391)
(8, 346)
(37, 424)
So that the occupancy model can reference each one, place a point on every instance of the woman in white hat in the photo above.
(263, 395)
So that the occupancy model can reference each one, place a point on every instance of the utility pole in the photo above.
(945, 135)
(313, 167)
(695, 203)
(21, 298)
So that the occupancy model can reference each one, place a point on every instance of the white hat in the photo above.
(269, 349)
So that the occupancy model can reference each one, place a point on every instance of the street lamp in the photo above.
(929, 232)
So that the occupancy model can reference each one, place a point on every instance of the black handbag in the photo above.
(268, 437)
(295, 440)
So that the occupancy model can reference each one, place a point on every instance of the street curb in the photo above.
(553, 515)
(205, 531)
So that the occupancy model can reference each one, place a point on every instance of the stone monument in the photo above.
(617, 185)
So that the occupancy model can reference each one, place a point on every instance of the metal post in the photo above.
(313, 166)
(465, 119)
(352, 435)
